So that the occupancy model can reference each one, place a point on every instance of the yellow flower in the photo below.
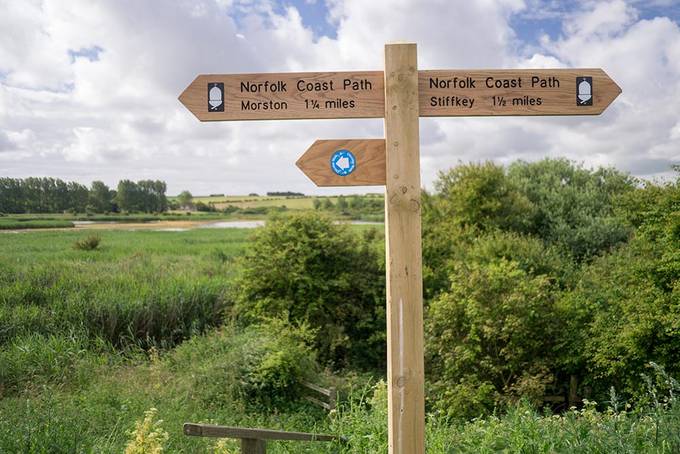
(148, 436)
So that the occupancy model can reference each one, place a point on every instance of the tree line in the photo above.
(52, 195)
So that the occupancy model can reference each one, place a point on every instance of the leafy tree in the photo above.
(152, 196)
(479, 196)
(41, 195)
(145, 195)
(553, 199)
(12, 196)
(127, 196)
(308, 269)
(185, 199)
(100, 197)
(78, 195)
(573, 207)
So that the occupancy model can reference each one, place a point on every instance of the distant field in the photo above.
(257, 202)
(244, 201)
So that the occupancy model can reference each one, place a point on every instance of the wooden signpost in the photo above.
(401, 94)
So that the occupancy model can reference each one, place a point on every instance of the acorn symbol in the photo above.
(585, 91)
(215, 97)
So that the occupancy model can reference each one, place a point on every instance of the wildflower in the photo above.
(148, 436)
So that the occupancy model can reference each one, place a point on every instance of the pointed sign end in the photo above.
(188, 98)
(185, 94)
(614, 92)
(300, 163)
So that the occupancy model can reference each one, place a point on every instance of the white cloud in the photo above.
(117, 116)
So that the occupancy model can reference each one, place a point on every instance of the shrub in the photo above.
(89, 243)
(619, 317)
(555, 200)
(489, 335)
(260, 366)
(308, 269)
(481, 196)
(573, 207)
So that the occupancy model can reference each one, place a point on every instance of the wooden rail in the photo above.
(329, 394)
(253, 441)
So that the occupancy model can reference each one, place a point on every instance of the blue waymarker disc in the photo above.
(343, 162)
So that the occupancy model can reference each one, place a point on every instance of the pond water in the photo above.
(232, 225)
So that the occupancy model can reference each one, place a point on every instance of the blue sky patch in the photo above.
(314, 15)
(91, 53)
(545, 17)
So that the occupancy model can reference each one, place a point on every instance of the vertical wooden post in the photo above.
(573, 389)
(253, 446)
(405, 374)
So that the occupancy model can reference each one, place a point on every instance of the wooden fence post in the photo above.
(253, 446)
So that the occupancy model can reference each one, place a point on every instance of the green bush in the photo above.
(650, 428)
(554, 200)
(310, 270)
(489, 338)
(620, 317)
(260, 366)
(480, 196)
(89, 243)
(574, 207)
(444, 244)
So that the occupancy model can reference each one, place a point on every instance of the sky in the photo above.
(88, 88)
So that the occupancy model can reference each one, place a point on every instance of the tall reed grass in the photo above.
(137, 290)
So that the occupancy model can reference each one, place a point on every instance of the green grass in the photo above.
(21, 224)
(138, 289)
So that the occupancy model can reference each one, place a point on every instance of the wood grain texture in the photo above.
(558, 99)
(370, 162)
(405, 371)
(368, 102)
(209, 430)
